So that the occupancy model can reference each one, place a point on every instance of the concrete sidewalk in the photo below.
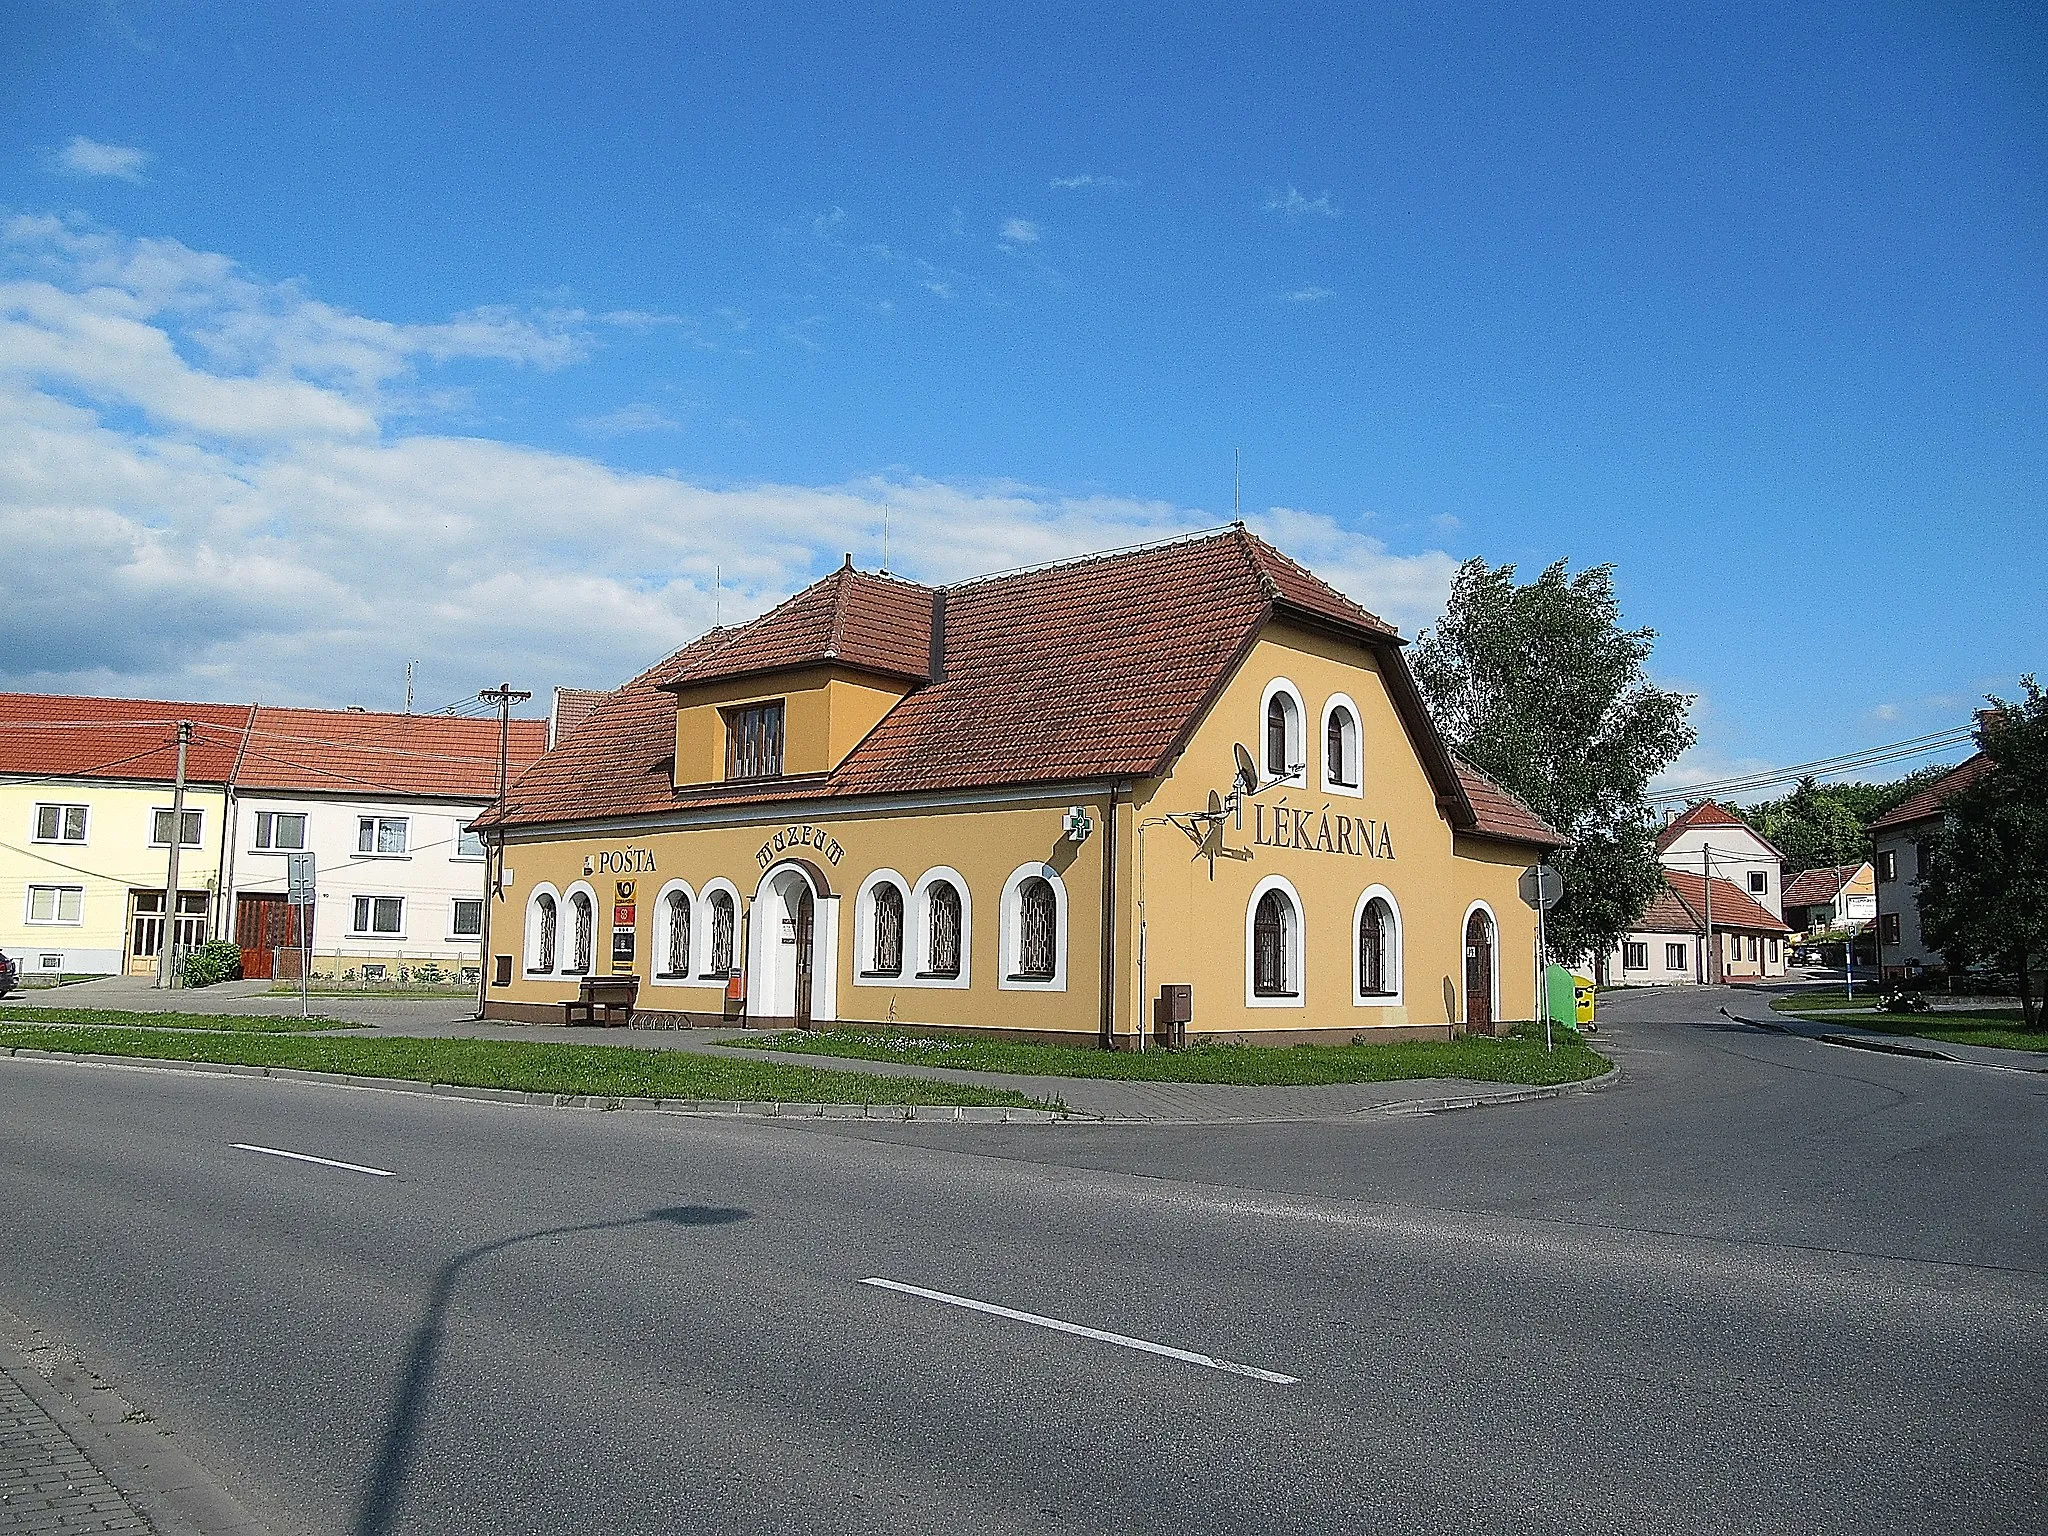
(1847, 1032)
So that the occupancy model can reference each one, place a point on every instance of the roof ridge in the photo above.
(1143, 546)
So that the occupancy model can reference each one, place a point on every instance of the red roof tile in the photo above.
(260, 747)
(1930, 798)
(1498, 813)
(1092, 669)
(1732, 907)
(571, 708)
(1810, 887)
(1667, 913)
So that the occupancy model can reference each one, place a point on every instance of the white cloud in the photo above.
(210, 487)
(637, 417)
(1885, 712)
(1021, 232)
(1073, 183)
(1291, 201)
(1310, 295)
(89, 157)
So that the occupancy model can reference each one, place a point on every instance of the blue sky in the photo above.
(496, 338)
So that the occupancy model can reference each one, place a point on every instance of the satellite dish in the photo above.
(1247, 770)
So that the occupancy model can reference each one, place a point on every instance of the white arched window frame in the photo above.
(1464, 924)
(1340, 707)
(1294, 939)
(537, 963)
(917, 959)
(1296, 714)
(664, 921)
(565, 942)
(1391, 960)
(864, 972)
(1010, 926)
(706, 923)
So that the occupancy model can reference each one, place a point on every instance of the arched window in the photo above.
(1343, 747)
(944, 904)
(1286, 751)
(1272, 939)
(1037, 930)
(585, 920)
(1375, 949)
(888, 928)
(541, 926)
(720, 960)
(1277, 763)
(676, 959)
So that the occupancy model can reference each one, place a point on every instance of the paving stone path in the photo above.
(46, 1482)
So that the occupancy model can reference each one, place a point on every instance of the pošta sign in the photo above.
(620, 861)
(1320, 832)
(802, 835)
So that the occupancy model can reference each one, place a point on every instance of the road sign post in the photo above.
(299, 888)
(1542, 887)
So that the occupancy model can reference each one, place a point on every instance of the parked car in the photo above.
(10, 974)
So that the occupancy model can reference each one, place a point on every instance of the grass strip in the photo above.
(606, 1071)
(237, 1023)
(2003, 1028)
(1519, 1058)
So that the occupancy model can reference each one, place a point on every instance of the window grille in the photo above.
(1037, 938)
(544, 954)
(1375, 928)
(1269, 946)
(678, 935)
(753, 742)
(945, 929)
(888, 930)
(584, 925)
(721, 933)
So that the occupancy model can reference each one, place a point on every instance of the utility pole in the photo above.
(1707, 955)
(504, 696)
(166, 971)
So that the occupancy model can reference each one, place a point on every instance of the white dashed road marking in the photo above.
(307, 1157)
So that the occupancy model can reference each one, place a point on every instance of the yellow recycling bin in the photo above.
(1582, 999)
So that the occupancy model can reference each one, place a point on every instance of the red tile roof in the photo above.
(1502, 814)
(1667, 913)
(260, 747)
(1092, 669)
(1810, 887)
(871, 622)
(1930, 798)
(1705, 814)
(572, 708)
(1732, 906)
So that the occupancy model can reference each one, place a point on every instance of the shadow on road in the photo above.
(387, 1480)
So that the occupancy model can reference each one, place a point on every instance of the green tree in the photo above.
(1984, 900)
(1814, 827)
(1540, 687)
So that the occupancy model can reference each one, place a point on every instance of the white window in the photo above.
(1376, 958)
(469, 844)
(281, 829)
(1034, 930)
(543, 922)
(673, 945)
(1273, 946)
(881, 929)
(60, 824)
(1635, 955)
(1759, 883)
(1674, 957)
(722, 913)
(468, 919)
(1282, 751)
(582, 932)
(940, 929)
(380, 836)
(56, 903)
(379, 916)
(1343, 769)
(189, 828)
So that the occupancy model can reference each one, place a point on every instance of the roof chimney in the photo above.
(938, 666)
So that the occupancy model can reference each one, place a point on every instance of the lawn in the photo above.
(2001, 1027)
(238, 1023)
(606, 1071)
(1518, 1059)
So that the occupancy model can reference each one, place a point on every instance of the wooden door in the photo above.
(265, 922)
(1479, 974)
(805, 911)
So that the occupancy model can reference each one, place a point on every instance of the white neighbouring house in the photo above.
(1720, 916)
(382, 801)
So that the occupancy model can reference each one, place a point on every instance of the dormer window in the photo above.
(753, 742)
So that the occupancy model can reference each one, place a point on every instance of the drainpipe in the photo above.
(1107, 1031)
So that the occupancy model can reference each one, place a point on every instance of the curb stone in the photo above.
(981, 1114)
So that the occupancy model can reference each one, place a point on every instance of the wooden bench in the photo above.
(611, 996)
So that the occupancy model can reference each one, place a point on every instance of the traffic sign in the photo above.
(1541, 886)
(298, 874)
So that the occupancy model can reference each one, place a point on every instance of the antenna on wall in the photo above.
(1237, 485)
(717, 596)
(408, 685)
(885, 538)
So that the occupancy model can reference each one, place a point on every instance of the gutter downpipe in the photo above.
(1107, 1028)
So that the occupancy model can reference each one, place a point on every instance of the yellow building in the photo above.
(1036, 803)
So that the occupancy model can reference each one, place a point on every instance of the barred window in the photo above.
(585, 924)
(753, 742)
(888, 955)
(1375, 941)
(1037, 930)
(1271, 925)
(721, 933)
(678, 935)
(547, 919)
(945, 929)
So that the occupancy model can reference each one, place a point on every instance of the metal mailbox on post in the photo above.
(1172, 1014)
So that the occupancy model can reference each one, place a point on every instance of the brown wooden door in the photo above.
(805, 909)
(1479, 974)
(265, 923)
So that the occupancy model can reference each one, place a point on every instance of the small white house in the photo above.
(1713, 842)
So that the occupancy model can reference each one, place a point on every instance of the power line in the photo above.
(1868, 757)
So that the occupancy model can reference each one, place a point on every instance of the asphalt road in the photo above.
(1767, 1284)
